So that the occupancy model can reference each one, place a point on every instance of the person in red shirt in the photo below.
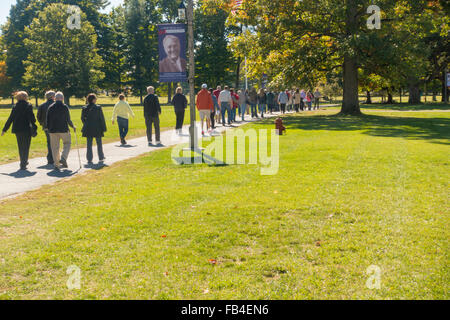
(205, 106)
(217, 93)
(235, 99)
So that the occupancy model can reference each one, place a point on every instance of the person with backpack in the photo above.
(42, 119)
(58, 123)
(24, 126)
(122, 112)
(94, 127)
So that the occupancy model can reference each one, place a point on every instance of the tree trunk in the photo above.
(434, 96)
(400, 92)
(414, 93)
(140, 95)
(12, 100)
(369, 98)
(390, 99)
(67, 99)
(350, 104)
(444, 87)
(37, 102)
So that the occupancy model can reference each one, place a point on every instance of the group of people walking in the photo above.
(224, 106)
(55, 120)
(213, 105)
(54, 117)
(220, 106)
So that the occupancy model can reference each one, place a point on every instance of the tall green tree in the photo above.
(141, 42)
(214, 60)
(20, 16)
(61, 58)
(114, 51)
(298, 39)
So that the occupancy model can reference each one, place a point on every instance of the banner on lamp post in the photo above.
(172, 53)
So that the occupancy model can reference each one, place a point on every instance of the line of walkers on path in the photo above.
(213, 105)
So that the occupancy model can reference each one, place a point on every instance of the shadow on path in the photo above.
(61, 174)
(20, 174)
(98, 166)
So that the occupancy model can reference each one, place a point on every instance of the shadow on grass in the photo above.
(433, 129)
(406, 106)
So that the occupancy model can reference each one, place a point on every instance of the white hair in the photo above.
(59, 96)
(50, 95)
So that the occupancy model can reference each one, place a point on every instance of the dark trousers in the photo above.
(283, 107)
(225, 108)
(302, 105)
(180, 119)
(49, 149)
(213, 119)
(89, 154)
(123, 127)
(254, 111)
(149, 122)
(23, 142)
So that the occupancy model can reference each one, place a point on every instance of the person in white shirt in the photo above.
(283, 100)
(122, 112)
(225, 103)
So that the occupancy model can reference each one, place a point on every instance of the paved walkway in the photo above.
(14, 182)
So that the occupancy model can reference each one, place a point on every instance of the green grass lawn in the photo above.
(350, 193)
(8, 144)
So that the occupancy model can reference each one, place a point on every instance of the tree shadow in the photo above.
(20, 174)
(434, 129)
(407, 106)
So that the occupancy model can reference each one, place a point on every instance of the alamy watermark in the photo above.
(74, 20)
(374, 21)
(244, 147)
(74, 280)
(374, 280)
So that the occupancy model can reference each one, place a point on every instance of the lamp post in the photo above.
(190, 22)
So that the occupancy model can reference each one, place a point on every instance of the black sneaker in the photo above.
(150, 143)
(63, 163)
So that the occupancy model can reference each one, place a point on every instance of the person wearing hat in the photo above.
(205, 106)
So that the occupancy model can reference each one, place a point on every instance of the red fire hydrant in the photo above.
(279, 126)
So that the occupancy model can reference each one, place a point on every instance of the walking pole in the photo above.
(78, 149)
